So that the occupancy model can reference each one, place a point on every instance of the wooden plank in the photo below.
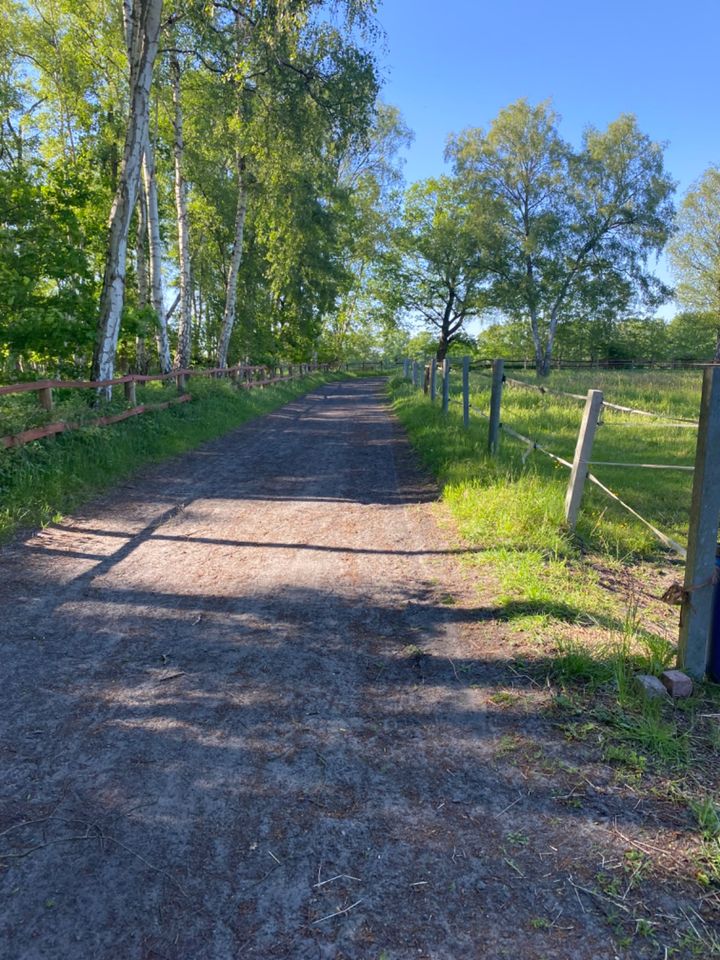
(498, 376)
(50, 429)
(583, 453)
(29, 386)
(433, 379)
(697, 606)
(446, 385)
(37, 433)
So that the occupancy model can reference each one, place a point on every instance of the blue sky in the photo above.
(456, 63)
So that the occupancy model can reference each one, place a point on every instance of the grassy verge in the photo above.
(662, 496)
(579, 614)
(42, 480)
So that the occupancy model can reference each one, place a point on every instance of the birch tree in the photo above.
(144, 17)
(228, 320)
(695, 250)
(182, 356)
(155, 256)
(565, 226)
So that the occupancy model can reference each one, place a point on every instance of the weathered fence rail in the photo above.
(244, 376)
(700, 575)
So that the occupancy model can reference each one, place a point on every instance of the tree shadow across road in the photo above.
(240, 719)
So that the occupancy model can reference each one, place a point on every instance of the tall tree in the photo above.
(695, 249)
(567, 228)
(144, 32)
(436, 272)
(267, 112)
(182, 356)
(371, 174)
(155, 255)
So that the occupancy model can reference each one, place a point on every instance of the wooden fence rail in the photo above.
(528, 363)
(244, 376)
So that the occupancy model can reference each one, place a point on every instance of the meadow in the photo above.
(533, 486)
(510, 508)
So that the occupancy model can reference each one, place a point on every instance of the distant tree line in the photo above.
(688, 336)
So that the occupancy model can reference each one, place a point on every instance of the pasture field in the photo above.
(661, 496)
(512, 506)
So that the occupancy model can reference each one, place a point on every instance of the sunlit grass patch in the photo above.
(573, 596)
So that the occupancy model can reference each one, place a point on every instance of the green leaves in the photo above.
(46, 285)
(695, 250)
(568, 233)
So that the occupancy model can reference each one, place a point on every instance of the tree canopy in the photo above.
(204, 183)
(215, 140)
(695, 250)
(567, 233)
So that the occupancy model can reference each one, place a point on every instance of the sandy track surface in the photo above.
(236, 702)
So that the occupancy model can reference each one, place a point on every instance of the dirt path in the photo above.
(238, 698)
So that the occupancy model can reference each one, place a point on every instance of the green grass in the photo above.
(43, 479)
(662, 496)
(523, 492)
(572, 600)
(22, 411)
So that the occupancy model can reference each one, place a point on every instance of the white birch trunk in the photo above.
(182, 357)
(141, 269)
(155, 259)
(145, 31)
(232, 281)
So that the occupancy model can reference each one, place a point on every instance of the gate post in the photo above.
(498, 377)
(697, 606)
(446, 385)
(466, 391)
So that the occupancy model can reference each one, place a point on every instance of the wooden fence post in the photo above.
(433, 379)
(181, 382)
(498, 377)
(415, 374)
(130, 394)
(46, 398)
(583, 452)
(466, 391)
(446, 385)
(697, 608)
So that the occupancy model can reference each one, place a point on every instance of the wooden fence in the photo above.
(700, 569)
(243, 376)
